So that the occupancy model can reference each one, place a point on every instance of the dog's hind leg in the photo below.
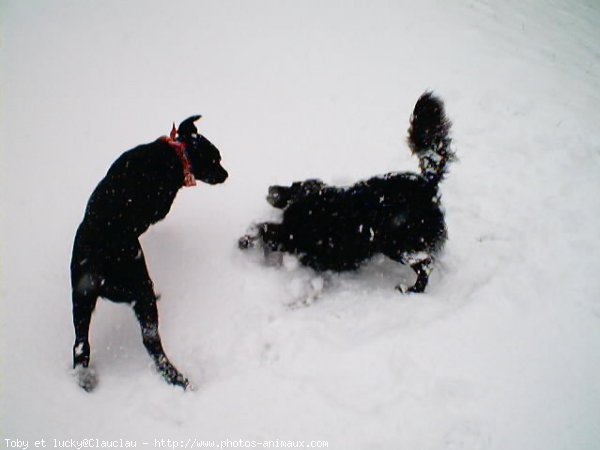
(147, 315)
(420, 262)
(422, 267)
(85, 295)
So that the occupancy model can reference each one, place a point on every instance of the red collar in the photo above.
(180, 149)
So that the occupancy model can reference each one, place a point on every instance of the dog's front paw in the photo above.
(246, 242)
(86, 378)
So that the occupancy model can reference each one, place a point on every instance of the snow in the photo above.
(501, 352)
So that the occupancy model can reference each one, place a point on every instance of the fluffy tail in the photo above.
(428, 137)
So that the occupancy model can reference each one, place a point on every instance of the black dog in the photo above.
(398, 214)
(108, 261)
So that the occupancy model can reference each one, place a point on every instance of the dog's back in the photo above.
(137, 191)
(338, 228)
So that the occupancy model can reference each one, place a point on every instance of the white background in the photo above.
(501, 352)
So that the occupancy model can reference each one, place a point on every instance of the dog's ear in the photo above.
(187, 127)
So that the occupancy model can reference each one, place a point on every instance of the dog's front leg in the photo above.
(147, 314)
(268, 233)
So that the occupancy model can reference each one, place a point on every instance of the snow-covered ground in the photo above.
(502, 351)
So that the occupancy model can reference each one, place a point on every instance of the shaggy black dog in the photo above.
(108, 261)
(397, 214)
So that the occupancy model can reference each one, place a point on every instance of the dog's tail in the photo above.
(428, 137)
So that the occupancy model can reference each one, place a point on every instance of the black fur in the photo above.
(398, 214)
(108, 261)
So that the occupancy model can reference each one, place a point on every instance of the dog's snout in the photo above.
(217, 175)
(224, 174)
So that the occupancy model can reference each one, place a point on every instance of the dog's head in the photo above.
(203, 155)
